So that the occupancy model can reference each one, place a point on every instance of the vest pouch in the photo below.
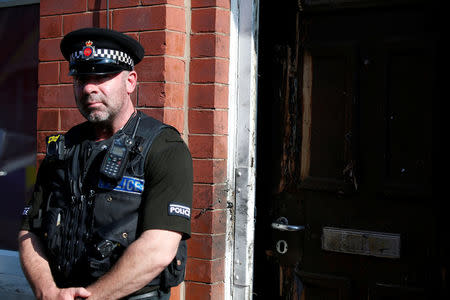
(174, 273)
(122, 231)
(109, 243)
(52, 230)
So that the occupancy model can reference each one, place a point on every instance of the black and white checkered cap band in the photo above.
(105, 53)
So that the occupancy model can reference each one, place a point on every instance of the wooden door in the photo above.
(345, 143)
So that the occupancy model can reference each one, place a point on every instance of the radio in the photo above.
(116, 158)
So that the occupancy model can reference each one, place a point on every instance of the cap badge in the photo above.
(88, 50)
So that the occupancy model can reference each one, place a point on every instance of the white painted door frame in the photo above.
(242, 148)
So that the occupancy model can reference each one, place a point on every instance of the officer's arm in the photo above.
(142, 261)
(37, 270)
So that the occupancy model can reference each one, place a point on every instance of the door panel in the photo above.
(320, 286)
(327, 116)
(394, 292)
(344, 149)
(408, 118)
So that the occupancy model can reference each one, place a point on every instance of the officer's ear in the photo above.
(131, 81)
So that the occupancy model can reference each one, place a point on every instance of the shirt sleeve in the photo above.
(34, 203)
(167, 197)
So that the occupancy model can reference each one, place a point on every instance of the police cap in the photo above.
(99, 51)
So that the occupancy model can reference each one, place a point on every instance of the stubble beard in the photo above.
(102, 115)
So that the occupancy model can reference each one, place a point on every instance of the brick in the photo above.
(134, 35)
(139, 19)
(156, 113)
(209, 171)
(175, 43)
(175, 19)
(223, 21)
(208, 271)
(48, 73)
(209, 70)
(208, 146)
(175, 292)
(208, 122)
(208, 96)
(154, 42)
(49, 50)
(210, 20)
(70, 118)
(101, 4)
(205, 291)
(208, 221)
(155, 2)
(174, 69)
(159, 94)
(163, 42)
(209, 196)
(174, 117)
(47, 119)
(161, 69)
(58, 7)
(90, 19)
(40, 141)
(206, 246)
(151, 69)
(50, 27)
(56, 96)
(210, 3)
(149, 18)
(64, 73)
(210, 45)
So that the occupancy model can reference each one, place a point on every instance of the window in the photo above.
(19, 33)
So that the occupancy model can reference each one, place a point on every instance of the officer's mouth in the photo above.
(93, 105)
(91, 101)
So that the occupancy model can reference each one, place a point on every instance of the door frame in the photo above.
(241, 166)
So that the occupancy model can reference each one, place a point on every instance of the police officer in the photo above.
(110, 213)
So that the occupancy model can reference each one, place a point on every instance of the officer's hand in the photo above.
(67, 294)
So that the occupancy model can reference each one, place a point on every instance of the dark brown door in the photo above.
(345, 143)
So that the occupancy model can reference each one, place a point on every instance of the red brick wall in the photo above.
(208, 128)
(186, 87)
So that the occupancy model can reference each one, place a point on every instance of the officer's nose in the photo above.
(90, 87)
(88, 84)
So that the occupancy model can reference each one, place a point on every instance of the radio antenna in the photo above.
(136, 126)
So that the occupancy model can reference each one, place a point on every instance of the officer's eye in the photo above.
(94, 79)
(79, 80)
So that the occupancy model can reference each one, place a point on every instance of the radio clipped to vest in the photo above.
(115, 161)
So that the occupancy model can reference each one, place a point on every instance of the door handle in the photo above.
(282, 224)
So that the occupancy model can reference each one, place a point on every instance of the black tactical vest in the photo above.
(90, 219)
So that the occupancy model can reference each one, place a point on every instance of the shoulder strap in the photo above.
(148, 129)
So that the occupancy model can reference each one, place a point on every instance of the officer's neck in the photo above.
(105, 130)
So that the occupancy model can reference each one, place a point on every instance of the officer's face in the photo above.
(100, 98)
